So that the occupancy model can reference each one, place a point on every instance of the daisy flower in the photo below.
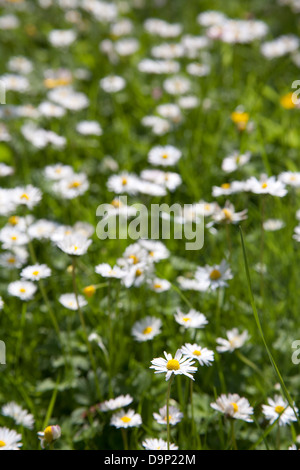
(49, 435)
(24, 290)
(116, 403)
(9, 439)
(213, 277)
(105, 270)
(235, 340)
(203, 355)
(157, 444)
(18, 414)
(1, 303)
(279, 408)
(126, 419)
(164, 156)
(74, 245)
(175, 416)
(266, 186)
(192, 319)
(146, 329)
(159, 285)
(112, 84)
(36, 272)
(69, 301)
(28, 196)
(178, 365)
(234, 406)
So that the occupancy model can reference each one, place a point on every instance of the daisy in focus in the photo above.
(179, 365)
(279, 409)
(234, 406)
(204, 356)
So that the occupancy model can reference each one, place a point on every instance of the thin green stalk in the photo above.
(21, 333)
(258, 323)
(83, 325)
(168, 411)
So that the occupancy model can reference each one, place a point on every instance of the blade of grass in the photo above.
(258, 323)
(51, 404)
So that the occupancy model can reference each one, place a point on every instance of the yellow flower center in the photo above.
(2, 444)
(134, 259)
(147, 330)
(74, 185)
(126, 419)
(124, 181)
(215, 275)
(227, 214)
(240, 117)
(165, 156)
(138, 273)
(157, 286)
(116, 203)
(186, 319)
(235, 407)
(13, 220)
(14, 238)
(197, 353)
(25, 196)
(279, 409)
(264, 185)
(22, 290)
(11, 260)
(36, 273)
(48, 435)
(173, 364)
(225, 186)
(75, 248)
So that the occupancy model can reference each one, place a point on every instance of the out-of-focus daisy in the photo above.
(234, 406)
(272, 225)
(24, 290)
(73, 186)
(18, 414)
(9, 439)
(164, 156)
(1, 303)
(228, 215)
(146, 329)
(192, 319)
(89, 128)
(75, 245)
(58, 171)
(36, 272)
(235, 340)
(266, 186)
(159, 285)
(203, 355)
(291, 178)
(229, 188)
(5, 170)
(157, 444)
(175, 416)
(69, 301)
(279, 408)
(123, 183)
(62, 38)
(105, 270)
(178, 365)
(213, 277)
(28, 196)
(235, 161)
(116, 403)
(126, 419)
(112, 84)
(177, 85)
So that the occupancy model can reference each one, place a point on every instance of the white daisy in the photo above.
(279, 408)
(146, 329)
(157, 444)
(178, 365)
(74, 245)
(203, 355)
(235, 340)
(192, 319)
(164, 156)
(18, 414)
(105, 270)
(24, 290)
(116, 403)
(234, 406)
(69, 301)
(175, 416)
(9, 439)
(126, 419)
(213, 277)
(36, 272)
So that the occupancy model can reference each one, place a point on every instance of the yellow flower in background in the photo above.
(286, 101)
(241, 119)
(89, 291)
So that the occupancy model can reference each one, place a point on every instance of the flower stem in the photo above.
(83, 325)
(168, 412)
